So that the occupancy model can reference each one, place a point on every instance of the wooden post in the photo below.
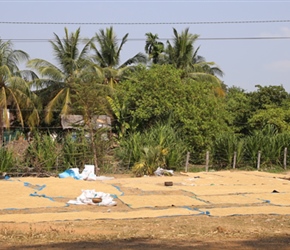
(206, 161)
(285, 158)
(187, 161)
(259, 159)
(234, 160)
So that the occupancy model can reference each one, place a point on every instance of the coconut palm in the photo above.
(107, 54)
(183, 55)
(15, 91)
(57, 81)
(153, 47)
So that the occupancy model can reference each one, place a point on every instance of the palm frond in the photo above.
(204, 77)
(5, 72)
(16, 104)
(53, 104)
(138, 58)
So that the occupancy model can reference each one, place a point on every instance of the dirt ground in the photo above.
(230, 210)
(184, 233)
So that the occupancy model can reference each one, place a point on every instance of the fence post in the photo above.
(57, 163)
(187, 161)
(259, 159)
(234, 160)
(206, 161)
(285, 158)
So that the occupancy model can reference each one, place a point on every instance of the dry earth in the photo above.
(219, 210)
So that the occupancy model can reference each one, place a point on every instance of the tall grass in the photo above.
(160, 146)
(224, 148)
(42, 153)
(267, 141)
(77, 148)
(7, 160)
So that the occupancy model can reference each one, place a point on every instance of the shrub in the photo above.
(160, 146)
(42, 153)
(7, 160)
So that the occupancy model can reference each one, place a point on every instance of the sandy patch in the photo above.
(135, 201)
(248, 210)
(218, 193)
(230, 199)
(15, 195)
(280, 199)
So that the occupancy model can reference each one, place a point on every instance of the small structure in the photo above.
(74, 121)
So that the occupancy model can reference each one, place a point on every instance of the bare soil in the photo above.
(184, 233)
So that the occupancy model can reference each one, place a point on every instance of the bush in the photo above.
(224, 148)
(42, 153)
(160, 146)
(7, 160)
(77, 148)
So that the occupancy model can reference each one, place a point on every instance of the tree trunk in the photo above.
(1, 128)
(93, 146)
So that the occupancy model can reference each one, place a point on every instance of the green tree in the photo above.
(154, 48)
(268, 95)
(163, 93)
(15, 91)
(56, 82)
(238, 106)
(271, 114)
(123, 122)
(183, 55)
(91, 102)
(269, 105)
(107, 53)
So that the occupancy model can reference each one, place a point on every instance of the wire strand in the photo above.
(28, 40)
(147, 23)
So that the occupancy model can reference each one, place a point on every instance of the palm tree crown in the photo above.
(183, 55)
(58, 80)
(14, 87)
(153, 47)
(107, 53)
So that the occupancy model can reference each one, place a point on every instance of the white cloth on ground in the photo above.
(86, 198)
(160, 171)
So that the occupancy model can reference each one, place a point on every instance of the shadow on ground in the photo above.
(281, 243)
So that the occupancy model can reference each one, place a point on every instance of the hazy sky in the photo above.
(245, 61)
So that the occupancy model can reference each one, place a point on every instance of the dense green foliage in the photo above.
(162, 105)
(76, 149)
(15, 94)
(163, 93)
(7, 160)
(159, 146)
(42, 153)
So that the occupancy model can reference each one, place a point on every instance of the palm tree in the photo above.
(107, 56)
(57, 82)
(153, 48)
(15, 89)
(182, 55)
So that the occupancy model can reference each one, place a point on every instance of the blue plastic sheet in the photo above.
(69, 173)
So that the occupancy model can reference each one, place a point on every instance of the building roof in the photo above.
(74, 121)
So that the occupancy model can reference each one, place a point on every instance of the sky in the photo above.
(234, 34)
